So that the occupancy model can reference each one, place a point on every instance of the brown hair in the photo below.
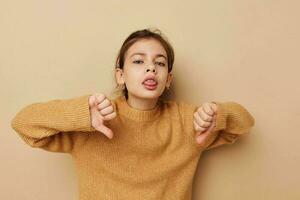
(138, 35)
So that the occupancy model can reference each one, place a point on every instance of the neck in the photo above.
(141, 103)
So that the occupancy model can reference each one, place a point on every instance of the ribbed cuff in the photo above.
(78, 112)
(221, 117)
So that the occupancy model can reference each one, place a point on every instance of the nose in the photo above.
(151, 68)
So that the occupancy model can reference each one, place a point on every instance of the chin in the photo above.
(150, 95)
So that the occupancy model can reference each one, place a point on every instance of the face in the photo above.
(144, 58)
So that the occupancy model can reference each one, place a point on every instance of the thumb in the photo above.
(202, 136)
(106, 131)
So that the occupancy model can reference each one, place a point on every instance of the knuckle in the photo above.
(206, 118)
(195, 124)
(106, 101)
(101, 115)
(198, 128)
(207, 111)
(195, 114)
(100, 96)
(201, 123)
(99, 107)
(109, 109)
(204, 124)
(102, 112)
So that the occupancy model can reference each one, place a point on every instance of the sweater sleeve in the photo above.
(232, 121)
(56, 125)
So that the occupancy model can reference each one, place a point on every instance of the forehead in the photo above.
(146, 46)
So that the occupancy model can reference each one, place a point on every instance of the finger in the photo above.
(197, 127)
(92, 100)
(105, 103)
(110, 116)
(204, 116)
(210, 129)
(200, 138)
(99, 98)
(106, 131)
(214, 106)
(199, 121)
(107, 110)
(207, 109)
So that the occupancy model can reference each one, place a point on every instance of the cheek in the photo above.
(133, 76)
(163, 75)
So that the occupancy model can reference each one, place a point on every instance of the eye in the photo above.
(161, 64)
(140, 61)
(137, 61)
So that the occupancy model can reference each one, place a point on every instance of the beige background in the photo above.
(243, 51)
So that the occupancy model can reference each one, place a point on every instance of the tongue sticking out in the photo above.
(150, 82)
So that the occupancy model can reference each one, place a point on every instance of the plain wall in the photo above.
(242, 51)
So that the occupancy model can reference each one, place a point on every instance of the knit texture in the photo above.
(152, 156)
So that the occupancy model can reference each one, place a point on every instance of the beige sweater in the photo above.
(152, 156)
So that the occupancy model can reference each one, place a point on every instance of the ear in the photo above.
(169, 79)
(119, 76)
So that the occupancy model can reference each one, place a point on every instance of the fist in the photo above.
(204, 120)
(101, 109)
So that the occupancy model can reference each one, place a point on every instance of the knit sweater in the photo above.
(152, 156)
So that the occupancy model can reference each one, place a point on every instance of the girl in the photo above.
(136, 145)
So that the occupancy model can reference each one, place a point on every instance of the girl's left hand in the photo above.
(205, 120)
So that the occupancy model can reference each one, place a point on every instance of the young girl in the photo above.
(137, 145)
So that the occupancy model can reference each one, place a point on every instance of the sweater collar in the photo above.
(126, 110)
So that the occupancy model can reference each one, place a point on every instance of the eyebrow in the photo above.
(157, 55)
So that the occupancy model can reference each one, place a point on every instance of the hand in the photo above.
(205, 120)
(101, 109)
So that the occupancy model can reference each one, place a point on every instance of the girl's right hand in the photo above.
(101, 109)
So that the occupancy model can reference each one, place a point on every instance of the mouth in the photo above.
(150, 84)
